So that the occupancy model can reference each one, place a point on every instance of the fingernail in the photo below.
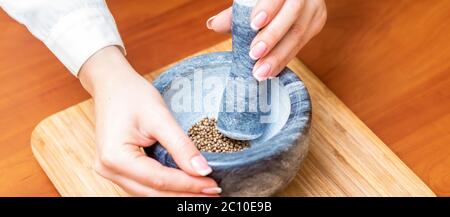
(259, 20)
(214, 190)
(209, 22)
(258, 50)
(262, 72)
(200, 165)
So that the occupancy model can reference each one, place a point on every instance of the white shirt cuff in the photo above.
(81, 33)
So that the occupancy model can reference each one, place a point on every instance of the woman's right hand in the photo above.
(131, 114)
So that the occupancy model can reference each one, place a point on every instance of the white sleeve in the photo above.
(72, 29)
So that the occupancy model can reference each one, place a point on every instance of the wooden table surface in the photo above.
(386, 60)
(345, 159)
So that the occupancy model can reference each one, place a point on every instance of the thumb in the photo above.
(167, 131)
(221, 22)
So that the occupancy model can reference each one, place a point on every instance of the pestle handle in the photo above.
(241, 125)
(242, 35)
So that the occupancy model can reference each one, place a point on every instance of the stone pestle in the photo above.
(240, 117)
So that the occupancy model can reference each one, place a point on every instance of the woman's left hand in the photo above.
(286, 26)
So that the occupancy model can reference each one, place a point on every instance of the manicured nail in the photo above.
(262, 72)
(200, 165)
(258, 50)
(209, 22)
(259, 20)
(214, 190)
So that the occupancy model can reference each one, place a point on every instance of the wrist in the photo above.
(106, 69)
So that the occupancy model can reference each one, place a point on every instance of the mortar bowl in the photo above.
(193, 89)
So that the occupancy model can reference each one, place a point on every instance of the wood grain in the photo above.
(34, 85)
(388, 61)
(346, 158)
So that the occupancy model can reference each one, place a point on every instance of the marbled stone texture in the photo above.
(241, 125)
(273, 159)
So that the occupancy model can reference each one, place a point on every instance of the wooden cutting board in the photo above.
(346, 158)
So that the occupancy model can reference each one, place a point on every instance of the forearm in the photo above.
(106, 69)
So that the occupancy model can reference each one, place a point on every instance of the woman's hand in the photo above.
(286, 26)
(131, 114)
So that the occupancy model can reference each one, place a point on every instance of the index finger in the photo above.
(138, 167)
(264, 12)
